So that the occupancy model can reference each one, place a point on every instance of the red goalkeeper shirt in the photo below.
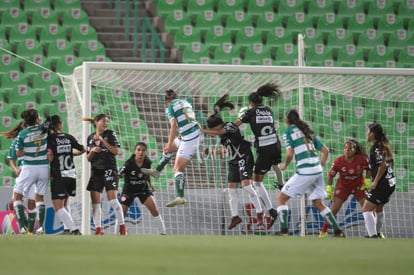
(350, 173)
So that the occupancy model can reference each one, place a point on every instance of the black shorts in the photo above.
(241, 169)
(381, 194)
(62, 188)
(101, 179)
(127, 199)
(266, 157)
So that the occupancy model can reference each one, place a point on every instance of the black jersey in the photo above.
(261, 122)
(375, 159)
(62, 146)
(236, 145)
(105, 159)
(134, 180)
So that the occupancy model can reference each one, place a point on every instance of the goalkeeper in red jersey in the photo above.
(350, 167)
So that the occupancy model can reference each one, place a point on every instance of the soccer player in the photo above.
(139, 185)
(267, 144)
(102, 147)
(182, 120)
(16, 166)
(62, 147)
(240, 160)
(381, 160)
(350, 167)
(31, 145)
(302, 145)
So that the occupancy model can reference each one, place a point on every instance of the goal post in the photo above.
(338, 103)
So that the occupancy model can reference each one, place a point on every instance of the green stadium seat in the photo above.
(42, 17)
(74, 17)
(22, 32)
(319, 53)
(285, 8)
(398, 39)
(90, 49)
(258, 54)
(12, 79)
(314, 36)
(13, 17)
(381, 56)
(406, 56)
(389, 23)
(370, 39)
(406, 10)
(217, 37)
(329, 22)
(29, 48)
(278, 37)
(247, 36)
(340, 38)
(81, 33)
(317, 9)
(196, 53)
(208, 20)
(186, 36)
(165, 7)
(45, 79)
(376, 9)
(67, 64)
(4, 43)
(259, 7)
(350, 57)
(51, 33)
(239, 20)
(9, 63)
(197, 7)
(6, 5)
(66, 5)
(268, 22)
(60, 48)
(229, 7)
(226, 54)
(287, 55)
(176, 20)
(359, 23)
(24, 94)
(348, 8)
(298, 23)
(33, 6)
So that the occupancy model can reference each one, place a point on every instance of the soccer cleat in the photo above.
(75, 232)
(234, 221)
(99, 231)
(23, 230)
(152, 172)
(176, 201)
(260, 218)
(381, 235)
(323, 234)
(338, 233)
(283, 232)
(66, 232)
(273, 216)
(40, 231)
(123, 229)
(372, 237)
(278, 185)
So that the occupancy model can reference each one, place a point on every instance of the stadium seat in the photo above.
(81, 33)
(58, 49)
(378, 8)
(389, 23)
(13, 17)
(259, 7)
(298, 23)
(67, 64)
(317, 9)
(359, 23)
(176, 20)
(340, 38)
(314, 36)
(22, 32)
(279, 37)
(90, 49)
(226, 54)
(237, 21)
(196, 53)
(329, 22)
(229, 7)
(5, 5)
(247, 36)
(319, 54)
(406, 10)
(197, 7)
(370, 39)
(74, 17)
(9, 63)
(381, 57)
(258, 54)
(287, 55)
(66, 5)
(29, 47)
(398, 40)
(348, 8)
(44, 79)
(165, 7)
(50, 33)
(208, 20)
(285, 8)
(350, 57)
(186, 36)
(406, 56)
(268, 22)
(33, 6)
(42, 17)
(217, 37)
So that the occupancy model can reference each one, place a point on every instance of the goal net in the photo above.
(338, 103)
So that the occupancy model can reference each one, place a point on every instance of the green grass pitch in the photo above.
(201, 255)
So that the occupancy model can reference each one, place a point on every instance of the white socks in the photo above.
(119, 214)
(233, 201)
(370, 223)
(263, 194)
(253, 196)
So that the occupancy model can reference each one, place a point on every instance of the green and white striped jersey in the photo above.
(306, 156)
(34, 143)
(182, 111)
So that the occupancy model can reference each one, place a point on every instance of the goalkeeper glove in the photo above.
(329, 192)
(242, 111)
(366, 185)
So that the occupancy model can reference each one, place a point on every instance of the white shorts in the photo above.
(187, 149)
(298, 185)
(30, 194)
(32, 176)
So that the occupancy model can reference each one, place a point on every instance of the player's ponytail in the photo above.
(215, 119)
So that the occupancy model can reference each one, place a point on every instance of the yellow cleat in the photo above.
(323, 234)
